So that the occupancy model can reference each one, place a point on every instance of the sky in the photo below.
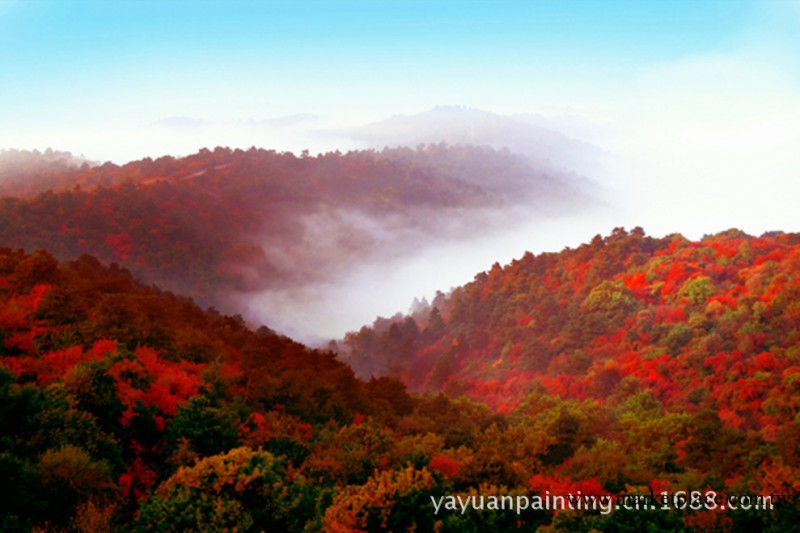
(696, 103)
(100, 77)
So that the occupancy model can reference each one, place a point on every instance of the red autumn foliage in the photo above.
(446, 465)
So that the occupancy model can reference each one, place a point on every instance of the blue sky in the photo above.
(99, 65)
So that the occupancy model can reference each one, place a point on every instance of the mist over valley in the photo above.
(311, 246)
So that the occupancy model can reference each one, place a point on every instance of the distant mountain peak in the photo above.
(544, 147)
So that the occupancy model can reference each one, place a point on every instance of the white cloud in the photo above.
(709, 142)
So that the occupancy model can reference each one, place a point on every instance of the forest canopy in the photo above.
(140, 410)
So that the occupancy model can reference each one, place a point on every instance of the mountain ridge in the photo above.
(578, 322)
(527, 135)
(228, 221)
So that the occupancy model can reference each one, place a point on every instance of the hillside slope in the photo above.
(123, 407)
(107, 386)
(27, 173)
(709, 324)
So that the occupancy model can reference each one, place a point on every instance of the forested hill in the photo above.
(226, 220)
(125, 408)
(713, 324)
(108, 386)
(26, 173)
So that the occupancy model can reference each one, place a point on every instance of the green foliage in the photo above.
(242, 490)
(209, 430)
(54, 456)
(94, 391)
(69, 476)
(349, 455)
(628, 364)
(62, 424)
(697, 291)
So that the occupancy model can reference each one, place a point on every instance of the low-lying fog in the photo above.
(378, 286)
(694, 168)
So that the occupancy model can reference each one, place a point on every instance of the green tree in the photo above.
(241, 490)
(208, 429)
